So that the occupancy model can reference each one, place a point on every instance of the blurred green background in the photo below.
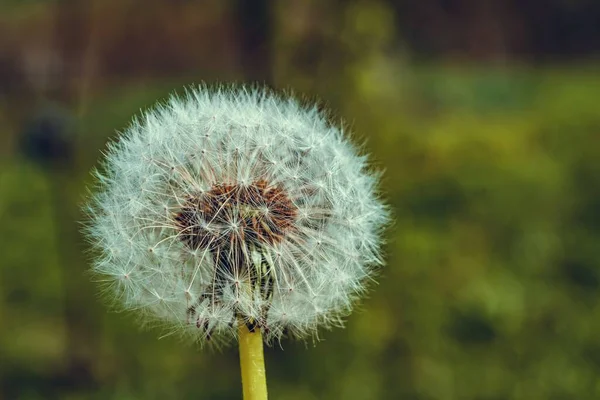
(484, 114)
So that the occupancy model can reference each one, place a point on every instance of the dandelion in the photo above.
(236, 214)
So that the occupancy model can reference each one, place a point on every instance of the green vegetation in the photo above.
(492, 285)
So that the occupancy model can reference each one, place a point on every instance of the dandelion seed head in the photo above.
(232, 206)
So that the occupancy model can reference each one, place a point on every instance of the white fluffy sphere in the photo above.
(235, 206)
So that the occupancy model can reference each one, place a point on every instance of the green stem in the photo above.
(252, 362)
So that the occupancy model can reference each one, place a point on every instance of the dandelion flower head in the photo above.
(232, 206)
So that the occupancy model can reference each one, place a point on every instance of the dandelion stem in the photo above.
(254, 377)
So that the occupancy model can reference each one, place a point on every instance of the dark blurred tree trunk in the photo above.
(254, 21)
(72, 37)
(72, 34)
(484, 30)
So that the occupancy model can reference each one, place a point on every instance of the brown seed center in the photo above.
(231, 214)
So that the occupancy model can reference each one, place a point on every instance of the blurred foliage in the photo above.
(491, 289)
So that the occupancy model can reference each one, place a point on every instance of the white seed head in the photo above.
(234, 206)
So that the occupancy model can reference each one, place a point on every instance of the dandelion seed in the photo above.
(236, 206)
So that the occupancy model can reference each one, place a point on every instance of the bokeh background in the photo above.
(485, 115)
